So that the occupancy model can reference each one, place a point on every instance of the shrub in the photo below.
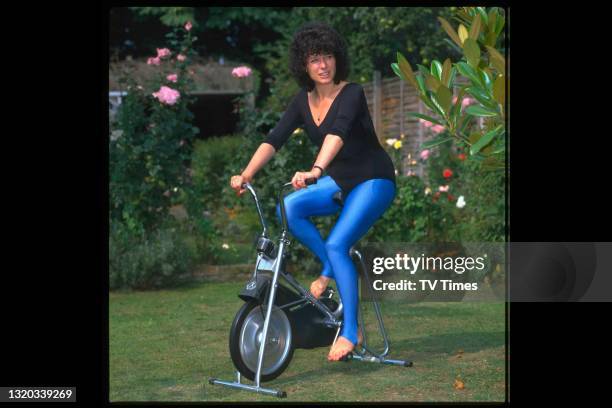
(153, 141)
(411, 217)
(148, 262)
(481, 219)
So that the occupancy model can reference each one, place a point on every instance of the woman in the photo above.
(335, 115)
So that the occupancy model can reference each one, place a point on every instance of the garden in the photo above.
(181, 242)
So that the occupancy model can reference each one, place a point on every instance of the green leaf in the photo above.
(499, 90)
(453, 46)
(497, 60)
(474, 29)
(451, 80)
(468, 71)
(485, 140)
(483, 15)
(421, 84)
(406, 69)
(482, 97)
(397, 71)
(425, 117)
(474, 137)
(436, 69)
(423, 70)
(427, 101)
(472, 52)
(475, 110)
(457, 107)
(446, 71)
(434, 100)
(432, 82)
(499, 24)
(436, 142)
(492, 19)
(486, 79)
(461, 15)
(490, 38)
(450, 31)
(444, 96)
(465, 121)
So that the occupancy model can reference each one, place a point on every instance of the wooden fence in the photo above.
(389, 101)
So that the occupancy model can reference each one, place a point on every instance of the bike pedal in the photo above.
(347, 357)
(330, 323)
(327, 293)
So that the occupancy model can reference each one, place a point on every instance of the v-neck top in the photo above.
(361, 157)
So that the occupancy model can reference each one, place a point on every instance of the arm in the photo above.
(272, 143)
(262, 155)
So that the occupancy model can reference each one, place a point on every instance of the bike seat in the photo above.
(338, 198)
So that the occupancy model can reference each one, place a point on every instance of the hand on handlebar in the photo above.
(237, 182)
(299, 179)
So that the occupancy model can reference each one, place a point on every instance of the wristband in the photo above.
(319, 167)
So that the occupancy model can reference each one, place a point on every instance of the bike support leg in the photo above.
(366, 354)
(257, 388)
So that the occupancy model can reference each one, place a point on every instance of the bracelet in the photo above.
(320, 168)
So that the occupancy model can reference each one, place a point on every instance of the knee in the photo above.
(336, 247)
(289, 211)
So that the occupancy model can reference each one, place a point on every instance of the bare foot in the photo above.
(341, 348)
(318, 287)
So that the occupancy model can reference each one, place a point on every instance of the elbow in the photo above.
(338, 141)
(270, 147)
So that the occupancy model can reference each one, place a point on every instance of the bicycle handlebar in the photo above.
(248, 186)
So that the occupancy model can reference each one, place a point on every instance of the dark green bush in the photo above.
(482, 218)
(412, 217)
(151, 261)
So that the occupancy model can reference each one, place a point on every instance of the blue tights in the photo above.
(362, 207)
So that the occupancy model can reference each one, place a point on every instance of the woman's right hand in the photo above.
(236, 183)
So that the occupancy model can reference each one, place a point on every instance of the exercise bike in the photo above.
(278, 318)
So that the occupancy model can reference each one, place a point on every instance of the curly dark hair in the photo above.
(317, 38)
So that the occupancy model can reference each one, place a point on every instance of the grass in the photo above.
(164, 345)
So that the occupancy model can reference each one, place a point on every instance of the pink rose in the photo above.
(425, 154)
(443, 189)
(172, 77)
(163, 52)
(167, 95)
(181, 57)
(466, 102)
(425, 123)
(153, 61)
(188, 26)
(241, 72)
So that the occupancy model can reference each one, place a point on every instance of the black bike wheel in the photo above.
(245, 337)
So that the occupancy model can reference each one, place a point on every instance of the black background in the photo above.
(54, 298)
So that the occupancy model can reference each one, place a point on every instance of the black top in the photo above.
(361, 157)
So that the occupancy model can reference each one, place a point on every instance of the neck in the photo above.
(326, 90)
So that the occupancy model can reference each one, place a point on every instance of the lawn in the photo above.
(164, 345)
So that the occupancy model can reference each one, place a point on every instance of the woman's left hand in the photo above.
(299, 179)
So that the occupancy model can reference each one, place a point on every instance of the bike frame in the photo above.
(265, 262)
